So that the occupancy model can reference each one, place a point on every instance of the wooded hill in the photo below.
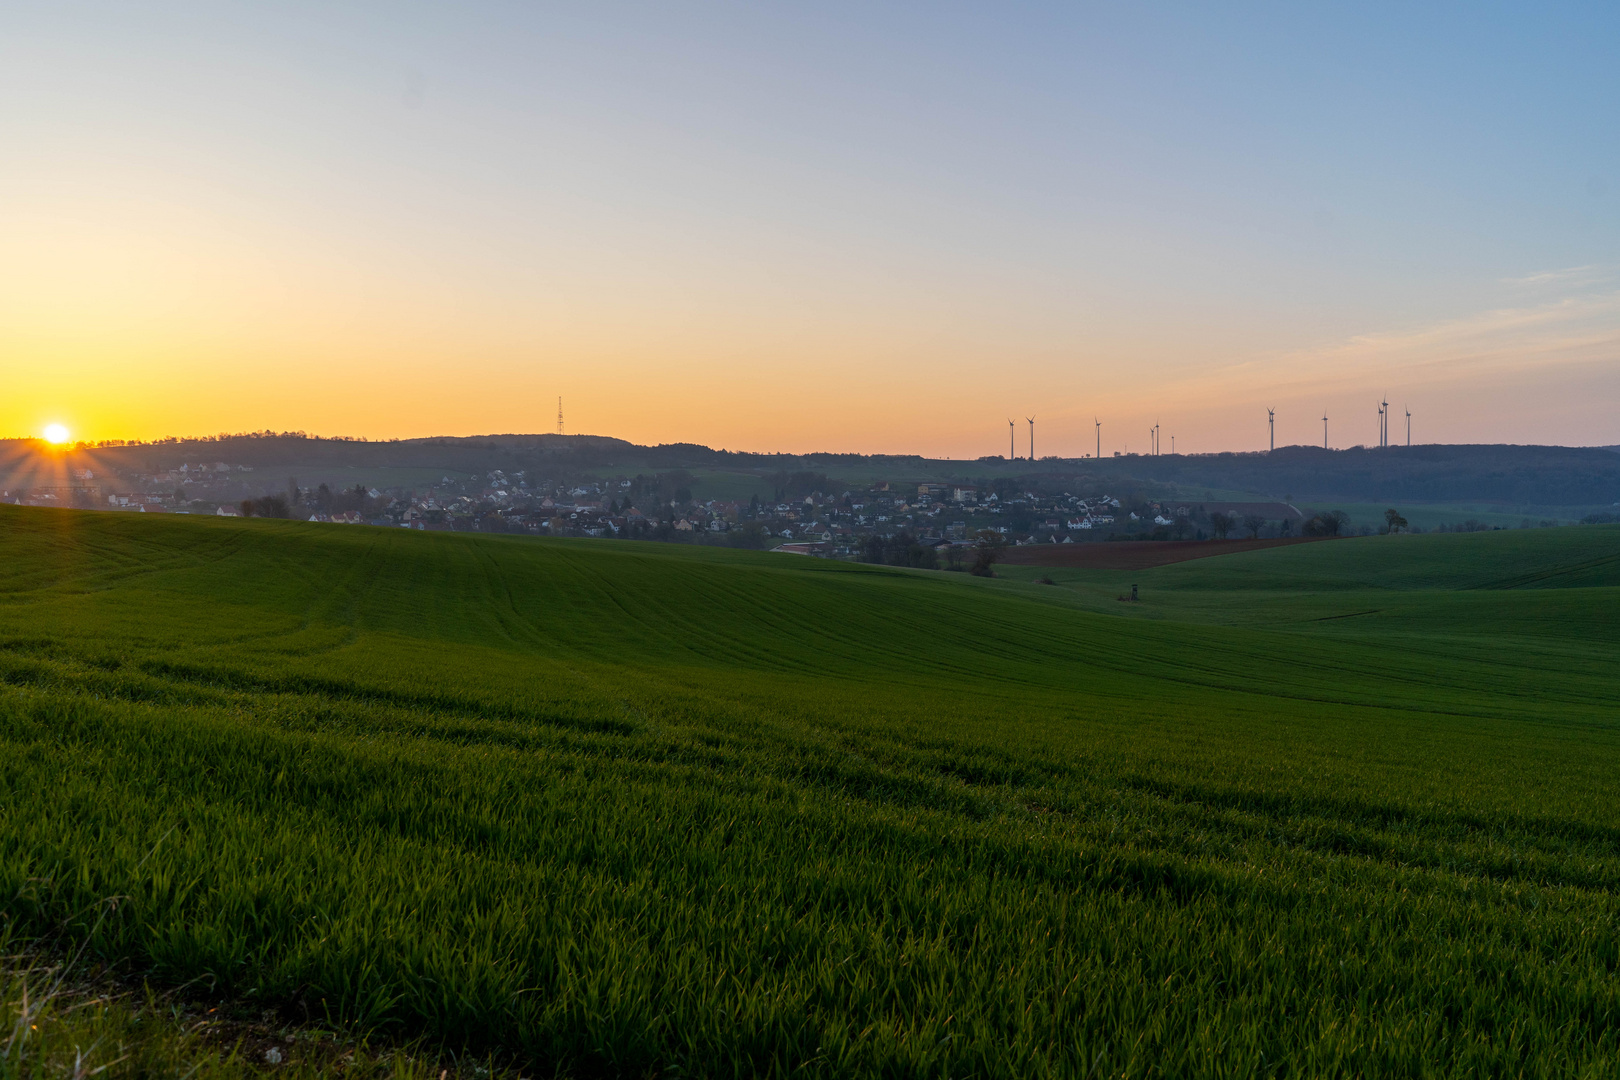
(1520, 476)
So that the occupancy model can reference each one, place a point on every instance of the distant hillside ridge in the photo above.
(1506, 475)
(1436, 473)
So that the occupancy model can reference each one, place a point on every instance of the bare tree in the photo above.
(1327, 523)
(1254, 523)
(986, 550)
(1220, 524)
(270, 506)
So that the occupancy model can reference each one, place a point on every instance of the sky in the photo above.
(885, 228)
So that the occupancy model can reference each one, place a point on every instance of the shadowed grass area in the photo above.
(612, 808)
(65, 1022)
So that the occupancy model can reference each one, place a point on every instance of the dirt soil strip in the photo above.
(1137, 554)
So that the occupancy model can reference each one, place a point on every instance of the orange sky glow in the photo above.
(783, 233)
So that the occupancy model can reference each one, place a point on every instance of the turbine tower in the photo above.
(1155, 440)
(1383, 422)
(1031, 420)
(1324, 431)
(1012, 451)
(1408, 427)
(1271, 419)
(1098, 422)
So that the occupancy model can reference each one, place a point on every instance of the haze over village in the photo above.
(903, 511)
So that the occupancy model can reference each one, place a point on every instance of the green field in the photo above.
(1428, 517)
(1347, 808)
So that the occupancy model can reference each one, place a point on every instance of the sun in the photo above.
(56, 433)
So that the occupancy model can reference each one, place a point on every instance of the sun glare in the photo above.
(56, 433)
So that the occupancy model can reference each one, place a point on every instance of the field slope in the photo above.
(615, 809)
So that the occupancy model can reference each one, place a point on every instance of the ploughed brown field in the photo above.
(1137, 554)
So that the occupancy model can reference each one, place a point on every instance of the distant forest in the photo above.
(1508, 475)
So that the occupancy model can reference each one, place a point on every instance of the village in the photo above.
(807, 513)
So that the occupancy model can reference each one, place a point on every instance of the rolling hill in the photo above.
(1471, 480)
(607, 808)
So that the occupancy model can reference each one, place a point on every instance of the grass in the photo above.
(62, 1020)
(611, 808)
(1429, 517)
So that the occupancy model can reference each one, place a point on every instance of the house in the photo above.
(683, 525)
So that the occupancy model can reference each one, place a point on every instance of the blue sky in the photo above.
(813, 226)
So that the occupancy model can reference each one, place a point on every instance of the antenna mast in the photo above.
(559, 416)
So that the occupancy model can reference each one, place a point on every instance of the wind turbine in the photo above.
(1098, 422)
(1031, 420)
(1408, 427)
(1012, 451)
(1383, 410)
(1324, 431)
(1271, 418)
